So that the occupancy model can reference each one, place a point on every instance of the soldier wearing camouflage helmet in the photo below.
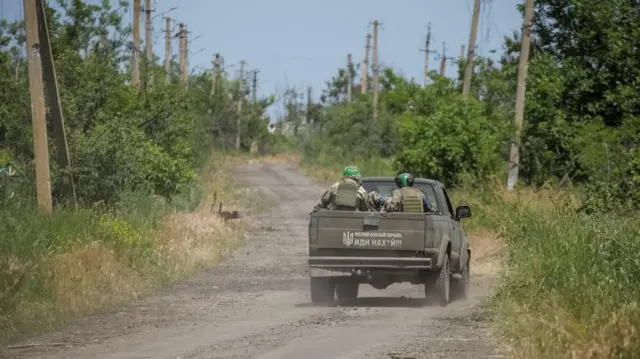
(345, 195)
(406, 198)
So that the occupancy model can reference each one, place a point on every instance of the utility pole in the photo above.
(239, 103)
(309, 102)
(148, 43)
(349, 78)
(216, 73)
(167, 49)
(135, 66)
(375, 70)
(444, 58)
(38, 109)
(427, 51)
(514, 156)
(182, 41)
(365, 66)
(254, 88)
(185, 73)
(53, 102)
(443, 61)
(468, 70)
(462, 53)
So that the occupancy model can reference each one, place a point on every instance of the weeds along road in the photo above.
(257, 305)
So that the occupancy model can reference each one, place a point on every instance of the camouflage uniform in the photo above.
(397, 202)
(376, 202)
(346, 195)
(406, 198)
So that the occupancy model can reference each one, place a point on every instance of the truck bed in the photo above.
(343, 239)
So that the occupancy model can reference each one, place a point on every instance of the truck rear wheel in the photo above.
(322, 291)
(437, 287)
(460, 288)
(347, 292)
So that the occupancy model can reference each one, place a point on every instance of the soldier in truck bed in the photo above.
(406, 198)
(345, 195)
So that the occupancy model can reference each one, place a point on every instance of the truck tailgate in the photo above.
(368, 230)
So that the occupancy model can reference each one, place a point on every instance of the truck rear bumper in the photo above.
(369, 262)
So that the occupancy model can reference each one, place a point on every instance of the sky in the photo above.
(297, 43)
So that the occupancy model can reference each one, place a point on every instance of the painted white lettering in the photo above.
(372, 239)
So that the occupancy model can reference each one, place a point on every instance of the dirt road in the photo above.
(257, 305)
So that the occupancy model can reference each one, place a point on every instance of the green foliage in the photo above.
(580, 121)
(120, 138)
(447, 138)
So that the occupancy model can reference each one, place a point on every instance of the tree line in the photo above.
(581, 114)
(120, 137)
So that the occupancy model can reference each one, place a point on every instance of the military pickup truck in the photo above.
(349, 248)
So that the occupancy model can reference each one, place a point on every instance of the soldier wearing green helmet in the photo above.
(406, 198)
(345, 195)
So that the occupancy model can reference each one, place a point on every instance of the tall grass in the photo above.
(572, 281)
(76, 262)
(569, 282)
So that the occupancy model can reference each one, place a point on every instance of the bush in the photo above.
(451, 141)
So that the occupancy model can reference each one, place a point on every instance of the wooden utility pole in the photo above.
(349, 78)
(38, 109)
(365, 66)
(185, 73)
(254, 87)
(514, 156)
(167, 49)
(55, 108)
(148, 42)
(215, 74)
(135, 66)
(239, 103)
(309, 103)
(427, 51)
(468, 70)
(443, 59)
(182, 41)
(375, 70)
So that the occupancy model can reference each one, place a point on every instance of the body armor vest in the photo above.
(411, 200)
(346, 197)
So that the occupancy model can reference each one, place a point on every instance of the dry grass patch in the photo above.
(86, 279)
(487, 252)
(192, 241)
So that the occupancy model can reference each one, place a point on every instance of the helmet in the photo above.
(351, 172)
(404, 179)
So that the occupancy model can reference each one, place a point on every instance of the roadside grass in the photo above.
(569, 283)
(78, 262)
(572, 281)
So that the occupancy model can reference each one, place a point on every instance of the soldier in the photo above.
(345, 195)
(406, 198)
